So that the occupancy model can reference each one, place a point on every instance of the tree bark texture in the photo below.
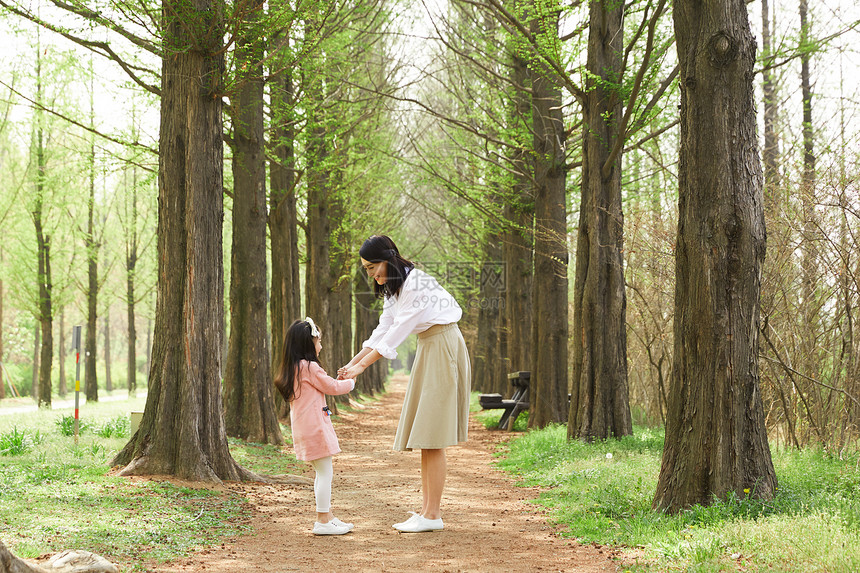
(770, 153)
(91, 386)
(107, 335)
(716, 441)
(62, 388)
(182, 431)
(248, 398)
(37, 345)
(43, 274)
(548, 393)
(131, 247)
(811, 225)
(131, 351)
(46, 320)
(599, 404)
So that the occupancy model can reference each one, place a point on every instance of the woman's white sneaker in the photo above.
(412, 518)
(419, 524)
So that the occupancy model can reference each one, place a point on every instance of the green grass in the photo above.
(602, 493)
(60, 495)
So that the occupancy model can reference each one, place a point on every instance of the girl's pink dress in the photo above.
(313, 432)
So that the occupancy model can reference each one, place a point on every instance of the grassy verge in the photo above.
(602, 493)
(57, 495)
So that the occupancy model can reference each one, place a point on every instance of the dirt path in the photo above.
(488, 524)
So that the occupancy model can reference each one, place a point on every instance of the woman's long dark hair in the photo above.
(298, 346)
(379, 248)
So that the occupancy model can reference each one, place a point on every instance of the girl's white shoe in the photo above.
(340, 523)
(330, 528)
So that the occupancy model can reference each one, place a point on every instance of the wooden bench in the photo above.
(513, 407)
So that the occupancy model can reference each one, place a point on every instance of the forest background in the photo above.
(424, 122)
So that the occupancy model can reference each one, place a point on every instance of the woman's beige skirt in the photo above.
(436, 408)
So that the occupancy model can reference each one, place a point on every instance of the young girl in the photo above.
(303, 383)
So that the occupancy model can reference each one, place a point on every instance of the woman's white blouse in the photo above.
(422, 302)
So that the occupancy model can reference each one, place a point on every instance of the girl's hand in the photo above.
(341, 371)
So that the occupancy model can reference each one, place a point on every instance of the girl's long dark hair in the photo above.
(379, 248)
(298, 346)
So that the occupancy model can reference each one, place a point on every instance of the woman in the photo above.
(435, 411)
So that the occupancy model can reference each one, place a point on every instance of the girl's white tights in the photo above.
(322, 483)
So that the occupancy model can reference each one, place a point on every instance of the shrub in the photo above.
(66, 425)
(118, 427)
(16, 442)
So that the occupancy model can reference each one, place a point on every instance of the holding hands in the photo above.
(358, 364)
(349, 371)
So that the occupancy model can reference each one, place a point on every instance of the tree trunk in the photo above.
(130, 266)
(770, 153)
(248, 400)
(811, 235)
(131, 369)
(92, 250)
(716, 442)
(43, 250)
(61, 355)
(46, 322)
(108, 379)
(148, 350)
(548, 394)
(599, 405)
(37, 345)
(182, 431)
(285, 292)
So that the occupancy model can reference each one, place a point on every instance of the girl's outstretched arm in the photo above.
(326, 384)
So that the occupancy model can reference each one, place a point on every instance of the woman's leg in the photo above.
(434, 466)
(322, 488)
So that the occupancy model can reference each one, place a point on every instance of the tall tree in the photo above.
(43, 250)
(716, 441)
(548, 399)
(809, 250)
(131, 255)
(518, 235)
(182, 431)
(599, 405)
(107, 352)
(92, 250)
(249, 407)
